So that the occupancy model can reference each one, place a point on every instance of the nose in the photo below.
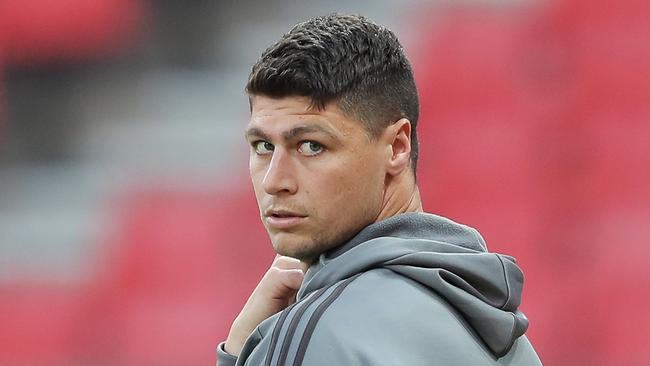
(280, 175)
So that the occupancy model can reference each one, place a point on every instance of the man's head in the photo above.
(333, 114)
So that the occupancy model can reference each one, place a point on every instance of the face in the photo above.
(317, 175)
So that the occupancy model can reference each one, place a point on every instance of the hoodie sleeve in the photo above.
(224, 358)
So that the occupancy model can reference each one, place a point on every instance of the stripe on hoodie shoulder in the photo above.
(279, 324)
(303, 322)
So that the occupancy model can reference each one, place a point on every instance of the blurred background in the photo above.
(129, 234)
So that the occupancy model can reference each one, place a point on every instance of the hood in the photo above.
(449, 258)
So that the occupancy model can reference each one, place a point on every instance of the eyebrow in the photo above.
(253, 132)
(292, 134)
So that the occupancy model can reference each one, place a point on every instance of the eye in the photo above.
(263, 147)
(311, 148)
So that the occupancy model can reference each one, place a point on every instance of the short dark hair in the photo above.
(345, 59)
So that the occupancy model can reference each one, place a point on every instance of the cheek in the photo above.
(350, 188)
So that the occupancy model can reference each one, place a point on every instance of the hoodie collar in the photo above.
(414, 225)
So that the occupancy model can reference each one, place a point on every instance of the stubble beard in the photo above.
(312, 247)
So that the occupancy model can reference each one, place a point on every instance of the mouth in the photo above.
(283, 219)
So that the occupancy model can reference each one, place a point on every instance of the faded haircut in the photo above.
(345, 59)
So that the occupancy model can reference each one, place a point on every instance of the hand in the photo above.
(276, 291)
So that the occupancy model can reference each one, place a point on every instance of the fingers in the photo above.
(284, 281)
(284, 262)
(273, 293)
(292, 278)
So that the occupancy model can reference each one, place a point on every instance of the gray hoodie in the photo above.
(414, 289)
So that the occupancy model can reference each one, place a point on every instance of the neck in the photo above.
(400, 196)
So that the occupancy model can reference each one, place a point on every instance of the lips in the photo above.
(283, 219)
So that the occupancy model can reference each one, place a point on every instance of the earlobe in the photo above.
(400, 146)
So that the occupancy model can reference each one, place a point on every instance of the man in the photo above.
(363, 275)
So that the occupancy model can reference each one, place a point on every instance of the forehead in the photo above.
(277, 115)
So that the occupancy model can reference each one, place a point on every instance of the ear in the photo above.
(398, 138)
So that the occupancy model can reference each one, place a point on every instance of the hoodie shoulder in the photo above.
(386, 319)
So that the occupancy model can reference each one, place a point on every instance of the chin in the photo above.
(296, 246)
